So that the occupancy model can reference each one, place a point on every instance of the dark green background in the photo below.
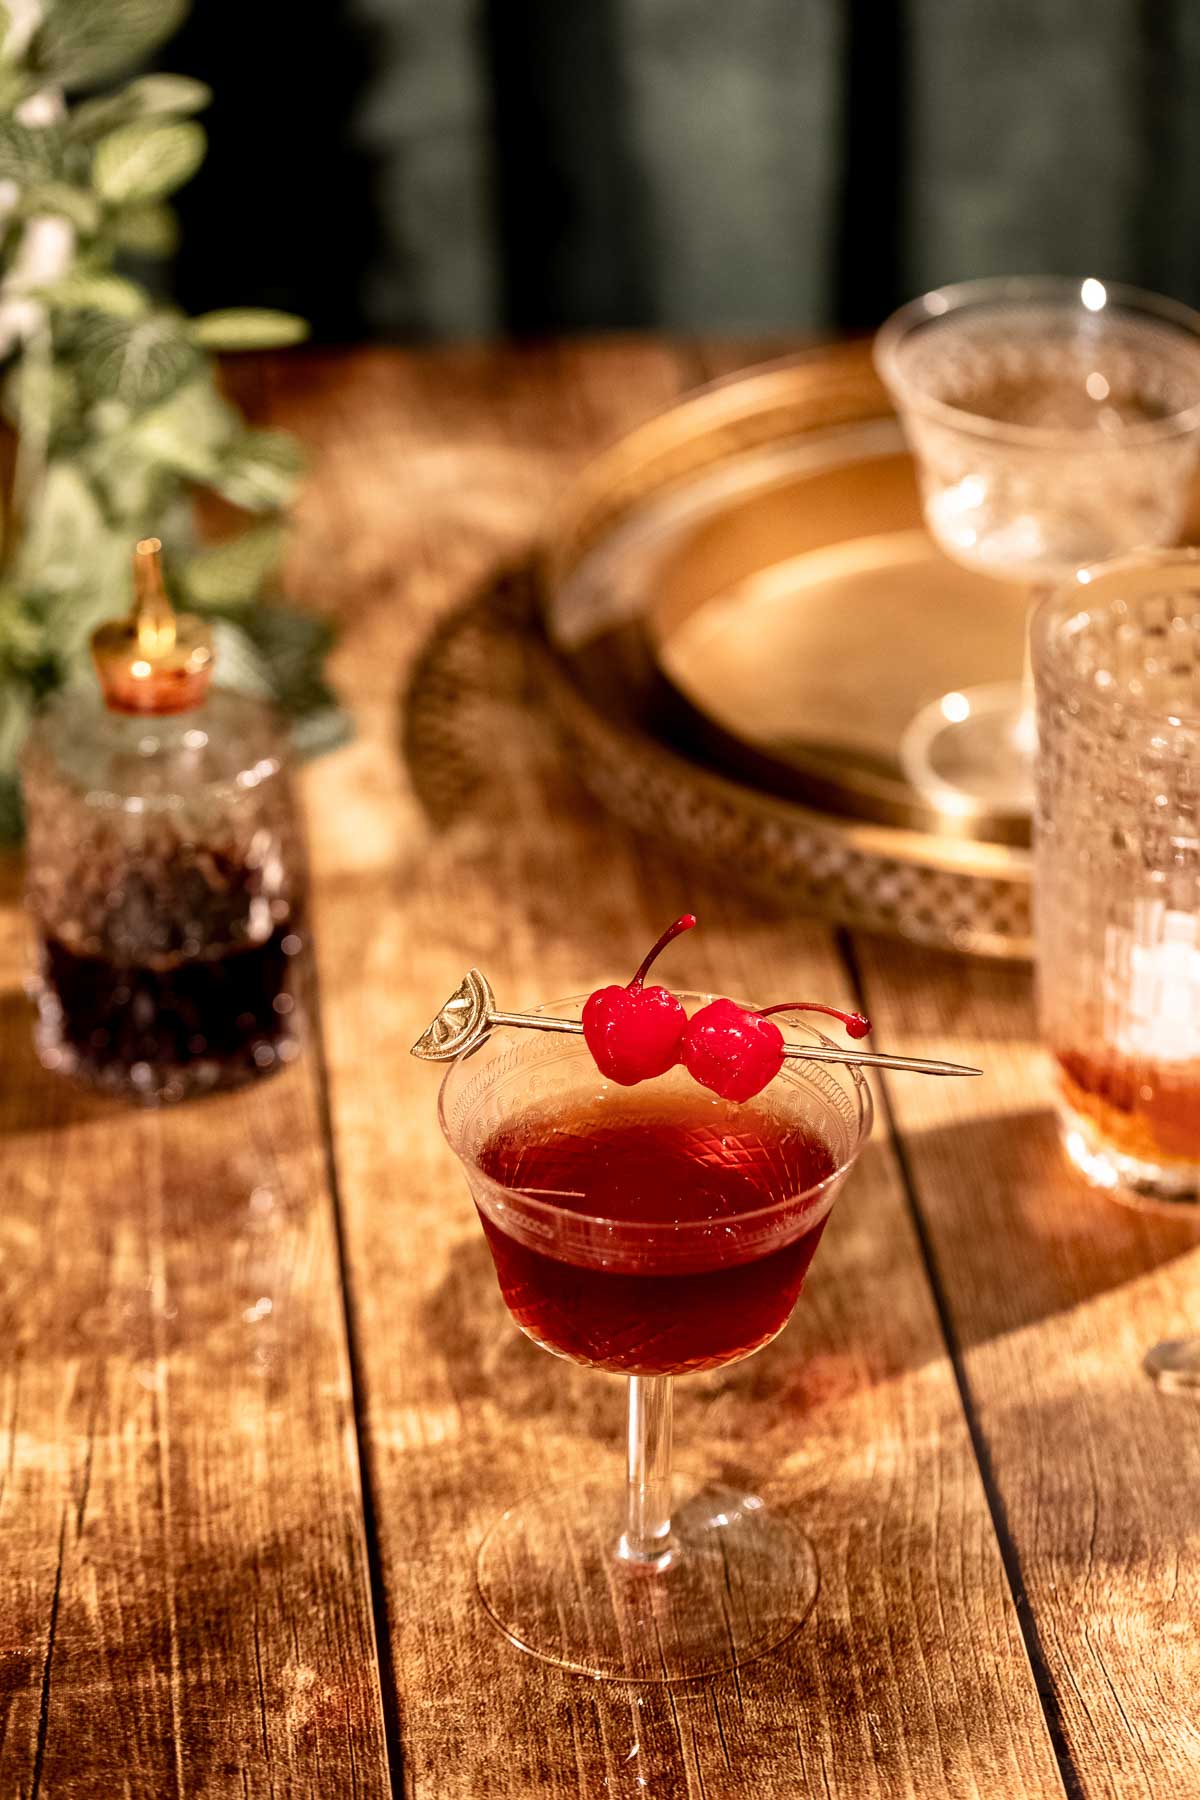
(416, 168)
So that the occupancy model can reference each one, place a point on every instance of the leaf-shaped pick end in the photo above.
(462, 1024)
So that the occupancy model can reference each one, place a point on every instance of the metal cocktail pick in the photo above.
(471, 1012)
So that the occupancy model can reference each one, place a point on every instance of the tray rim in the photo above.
(665, 446)
(891, 843)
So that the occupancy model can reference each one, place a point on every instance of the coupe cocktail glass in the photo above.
(650, 1232)
(1053, 423)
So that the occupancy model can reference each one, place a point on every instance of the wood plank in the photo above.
(185, 1596)
(1054, 1294)
(451, 833)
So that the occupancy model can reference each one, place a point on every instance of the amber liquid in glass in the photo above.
(1143, 1109)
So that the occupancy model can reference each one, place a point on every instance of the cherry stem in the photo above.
(857, 1026)
(672, 931)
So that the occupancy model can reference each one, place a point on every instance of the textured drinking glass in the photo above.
(636, 1582)
(1116, 656)
(166, 889)
(1053, 423)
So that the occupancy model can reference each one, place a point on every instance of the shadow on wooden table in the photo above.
(31, 1098)
(488, 1360)
(1053, 1244)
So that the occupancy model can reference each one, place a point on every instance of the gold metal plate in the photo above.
(804, 626)
(743, 612)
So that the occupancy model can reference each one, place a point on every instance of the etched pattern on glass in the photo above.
(1117, 892)
(1103, 480)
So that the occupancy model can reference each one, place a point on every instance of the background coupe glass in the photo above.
(1053, 423)
(650, 1232)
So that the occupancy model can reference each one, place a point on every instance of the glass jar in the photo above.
(166, 887)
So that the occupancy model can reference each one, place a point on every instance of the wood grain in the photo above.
(957, 1414)
(449, 833)
(182, 1563)
(1053, 1294)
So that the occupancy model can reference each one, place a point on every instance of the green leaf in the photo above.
(263, 471)
(97, 293)
(189, 433)
(64, 526)
(284, 652)
(324, 728)
(177, 94)
(147, 230)
(39, 390)
(22, 634)
(248, 328)
(239, 663)
(15, 711)
(231, 574)
(84, 41)
(135, 489)
(78, 205)
(14, 87)
(140, 362)
(29, 153)
(146, 160)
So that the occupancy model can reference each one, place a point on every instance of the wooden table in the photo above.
(260, 1397)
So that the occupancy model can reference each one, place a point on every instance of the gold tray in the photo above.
(742, 612)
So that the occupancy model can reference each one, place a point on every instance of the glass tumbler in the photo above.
(1116, 660)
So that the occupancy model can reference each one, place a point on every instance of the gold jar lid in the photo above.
(156, 660)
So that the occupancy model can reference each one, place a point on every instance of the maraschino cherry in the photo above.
(635, 1032)
(736, 1052)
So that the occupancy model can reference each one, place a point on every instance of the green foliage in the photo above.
(101, 293)
(139, 362)
(151, 230)
(177, 95)
(80, 208)
(230, 575)
(28, 155)
(114, 394)
(147, 160)
(82, 42)
(247, 328)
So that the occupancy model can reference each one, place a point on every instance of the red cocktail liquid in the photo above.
(708, 1281)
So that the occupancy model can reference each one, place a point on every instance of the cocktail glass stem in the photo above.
(976, 748)
(646, 1539)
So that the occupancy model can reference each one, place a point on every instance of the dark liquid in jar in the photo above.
(172, 1025)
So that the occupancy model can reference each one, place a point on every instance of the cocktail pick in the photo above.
(471, 1012)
